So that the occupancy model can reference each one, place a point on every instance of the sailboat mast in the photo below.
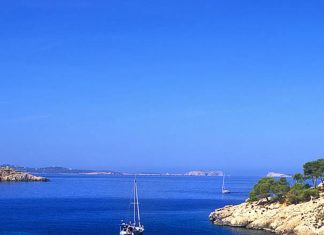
(223, 181)
(135, 201)
(138, 209)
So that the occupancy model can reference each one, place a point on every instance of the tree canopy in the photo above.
(269, 187)
(280, 190)
(314, 170)
(298, 178)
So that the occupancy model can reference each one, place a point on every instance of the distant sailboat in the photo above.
(224, 190)
(135, 228)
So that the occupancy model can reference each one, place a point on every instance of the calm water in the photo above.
(96, 204)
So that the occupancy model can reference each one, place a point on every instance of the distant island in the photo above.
(275, 205)
(64, 170)
(275, 174)
(8, 174)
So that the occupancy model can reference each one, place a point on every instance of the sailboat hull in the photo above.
(132, 231)
(138, 232)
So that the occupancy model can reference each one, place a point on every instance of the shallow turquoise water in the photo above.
(96, 204)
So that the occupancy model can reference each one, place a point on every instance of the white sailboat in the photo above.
(135, 227)
(224, 190)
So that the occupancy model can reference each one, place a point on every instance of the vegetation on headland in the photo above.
(273, 190)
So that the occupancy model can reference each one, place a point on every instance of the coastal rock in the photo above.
(321, 186)
(302, 219)
(11, 175)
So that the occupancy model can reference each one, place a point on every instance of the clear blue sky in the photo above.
(162, 85)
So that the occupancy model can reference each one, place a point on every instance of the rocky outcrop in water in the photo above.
(11, 175)
(302, 219)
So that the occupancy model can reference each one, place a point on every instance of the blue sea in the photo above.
(74, 204)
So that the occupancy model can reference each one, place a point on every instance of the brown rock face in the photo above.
(11, 175)
(302, 219)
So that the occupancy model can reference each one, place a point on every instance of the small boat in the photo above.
(135, 227)
(224, 190)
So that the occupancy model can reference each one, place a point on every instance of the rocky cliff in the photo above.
(302, 219)
(11, 175)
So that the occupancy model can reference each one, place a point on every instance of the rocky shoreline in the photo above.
(11, 175)
(306, 218)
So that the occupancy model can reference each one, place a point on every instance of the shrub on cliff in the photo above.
(301, 193)
(269, 189)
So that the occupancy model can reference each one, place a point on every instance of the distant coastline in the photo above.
(64, 170)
